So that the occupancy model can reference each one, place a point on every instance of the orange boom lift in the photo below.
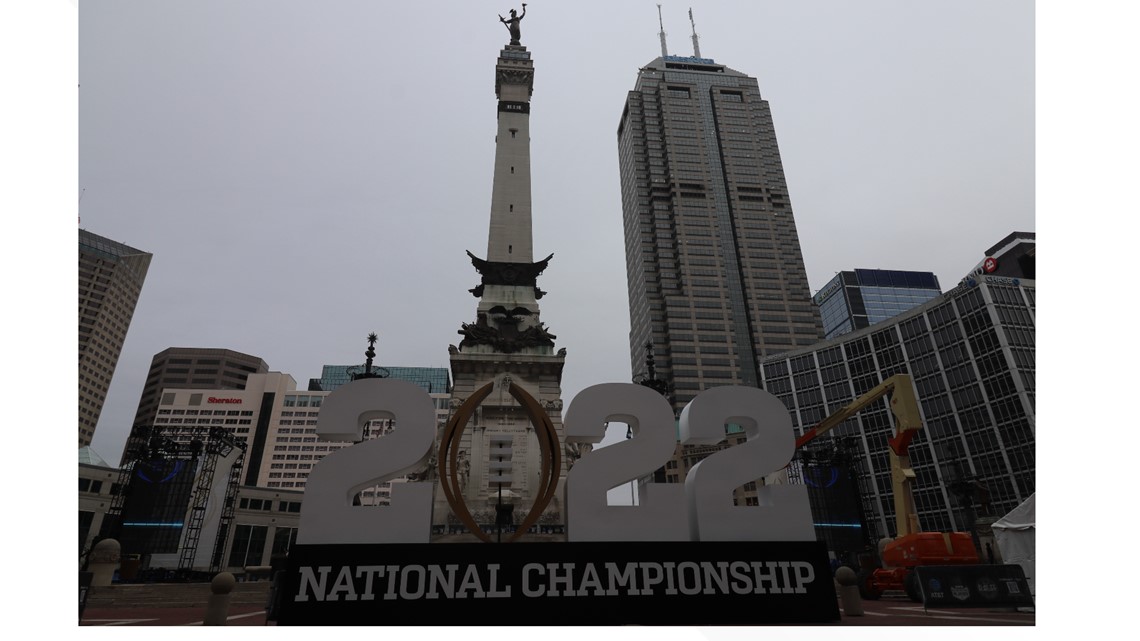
(912, 547)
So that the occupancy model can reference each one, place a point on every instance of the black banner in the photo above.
(514, 107)
(619, 583)
(974, 586)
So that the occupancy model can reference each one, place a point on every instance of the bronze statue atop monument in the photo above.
(513, 24)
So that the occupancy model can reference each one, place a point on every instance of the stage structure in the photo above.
(174, 496)
(831, 470)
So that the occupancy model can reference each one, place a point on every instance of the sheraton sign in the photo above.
(214, 399)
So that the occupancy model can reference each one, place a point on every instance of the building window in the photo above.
(248, 546)
(283, 539)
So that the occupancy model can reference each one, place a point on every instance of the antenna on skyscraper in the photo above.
(661, 22)
(696, 46)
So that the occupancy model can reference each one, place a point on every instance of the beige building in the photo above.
(194, 368)
(98, 484)
(276, 421)
(111, 277)
(264, 527)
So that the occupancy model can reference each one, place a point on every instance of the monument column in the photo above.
(507, 343)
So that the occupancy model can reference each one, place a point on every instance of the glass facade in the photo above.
(433, 380)
(971, 355)
(860, 298)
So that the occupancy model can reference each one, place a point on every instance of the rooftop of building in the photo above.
(88, 456)
(1008, 241)
(878, 327)
(434, 380)
(230, 354)
(96, 244)
(691, 63)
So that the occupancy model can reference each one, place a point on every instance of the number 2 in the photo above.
(327, 513)
(588, 517)
(783, 513)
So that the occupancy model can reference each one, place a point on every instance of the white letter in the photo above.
(436, 579)
(343, 584)
(625, 578)
(717, 574)
(393, 576)
(495, 592)
(590, 579)
(805, 574)
(743, 583)
(404, 590)
(566, 580)
(648, 583)
(527, 590)
(695, 587)
(310, 580)
(367, 571)
(471, 582)
(770, 578)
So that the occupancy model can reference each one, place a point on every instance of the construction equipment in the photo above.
(911, 547)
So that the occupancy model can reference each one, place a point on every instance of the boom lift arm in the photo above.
(904, 406)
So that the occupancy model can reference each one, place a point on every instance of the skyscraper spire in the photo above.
(696, 45)
(660, 21)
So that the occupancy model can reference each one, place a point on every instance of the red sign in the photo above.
(990, 265)
(223, 400)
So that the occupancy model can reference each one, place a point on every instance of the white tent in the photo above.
(1016, 538)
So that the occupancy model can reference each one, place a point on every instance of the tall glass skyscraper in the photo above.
(111, 277)
(716, 277)
(857, 299)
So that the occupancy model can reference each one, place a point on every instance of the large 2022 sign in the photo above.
(701, 510)
(685, 555)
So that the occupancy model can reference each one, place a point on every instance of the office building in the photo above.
(194, 368)
(715, 272)
(1014, 256)
(276, 421)
(971, 355)
(860, 298)
(265, 440)
(111, 277)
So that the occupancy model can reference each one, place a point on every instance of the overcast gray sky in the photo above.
(308, 172)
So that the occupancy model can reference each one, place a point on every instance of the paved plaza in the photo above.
(888, 611)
